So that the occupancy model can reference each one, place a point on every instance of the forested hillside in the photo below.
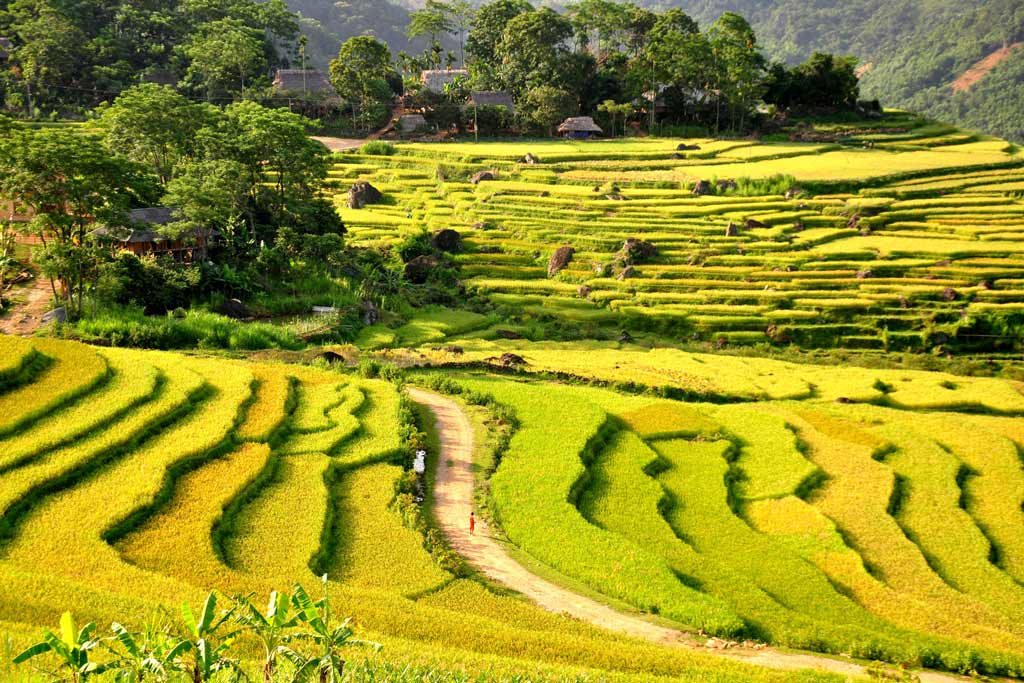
(329, 24)
(911, 50)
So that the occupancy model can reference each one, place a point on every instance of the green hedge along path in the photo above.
(453, 501)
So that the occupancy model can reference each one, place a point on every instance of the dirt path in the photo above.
(338, 144)
(25, 317)
(343, 144)
(453, 501)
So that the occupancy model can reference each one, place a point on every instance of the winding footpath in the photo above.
(453, 501)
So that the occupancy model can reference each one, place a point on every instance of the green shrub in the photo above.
(377, 148)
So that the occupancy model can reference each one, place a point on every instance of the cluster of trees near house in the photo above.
(244, 172)
(603, 58)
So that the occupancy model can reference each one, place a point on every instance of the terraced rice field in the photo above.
(888, 241)
(873, 513)
(133, 479)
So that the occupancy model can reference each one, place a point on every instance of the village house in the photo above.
(579, 128)
(486, 98)
(142, 236)
(436, 79)
(305, 84)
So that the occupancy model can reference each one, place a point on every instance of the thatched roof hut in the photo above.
(487, 98)
(434, 80)
(305, 83)
(579, 128)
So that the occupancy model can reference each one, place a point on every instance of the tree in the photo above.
(462, 19)
(153, 125)
(360, 72)
(613, 109)
(548, 106)
(51, 48)
(738, 64)
(534, 51)
(822, 82)
(675, 55)
(329, 639)
(488, 26)
(600, 25)
(72, 649)
(223, 53)
(207, 646)
(435, 20)
(269, 627)
(211, 195)
(69, 182)
(136, 655)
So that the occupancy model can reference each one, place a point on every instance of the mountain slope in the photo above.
(916, 49)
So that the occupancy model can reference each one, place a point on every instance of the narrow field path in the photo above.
(453, 501)
(25, 317)
(338, 144)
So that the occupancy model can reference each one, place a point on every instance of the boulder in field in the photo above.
(627, 273)
(683, 147)
(507, 360)
(235, 309)
(508, 334)
(950, 294)
(361, 194)
(559, 260)
(447, 240)
(584, 291)
(732, 230)
(636, 251)
(481, 177)
(702, 188)
(529, 159)
(57, 315)
(726, 185)
(752, 223)
(418, 270)
(510, 360)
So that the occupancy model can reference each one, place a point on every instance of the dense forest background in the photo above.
(911, 50)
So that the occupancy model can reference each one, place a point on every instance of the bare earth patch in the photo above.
(981, 68)
(25, 317)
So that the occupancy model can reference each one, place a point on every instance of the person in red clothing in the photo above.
(472, 522)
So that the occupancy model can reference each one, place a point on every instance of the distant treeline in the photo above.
(614, 59)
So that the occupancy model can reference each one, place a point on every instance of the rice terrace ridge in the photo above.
(482, 342)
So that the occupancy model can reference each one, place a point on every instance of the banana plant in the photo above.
(326, 665)
(72, 648)
(154, 652)
(205, 650)
(270, 627)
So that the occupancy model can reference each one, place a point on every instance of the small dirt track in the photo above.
(453, 501)
(25, 318)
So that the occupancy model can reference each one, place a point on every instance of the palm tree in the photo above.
(153, 651)
(72, 648)
(269, 627)
(208, 647)
(326, 666)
